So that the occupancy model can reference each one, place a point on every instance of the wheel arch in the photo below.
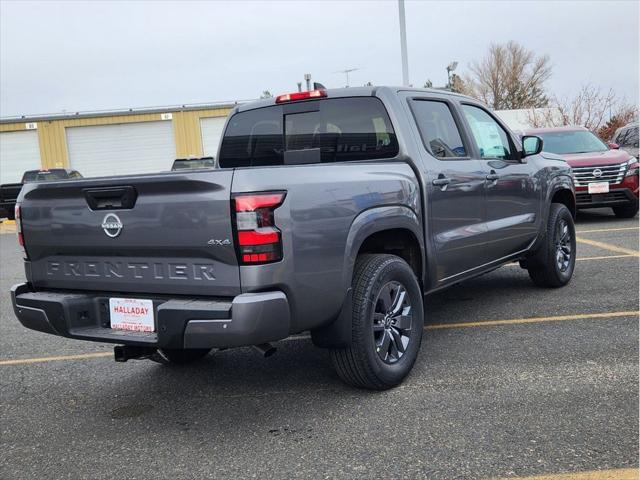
(389, 229)
(395, 230)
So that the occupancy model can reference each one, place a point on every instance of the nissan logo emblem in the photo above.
(111, 225)
(597, 173)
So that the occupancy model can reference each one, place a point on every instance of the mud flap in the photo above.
(338, 333)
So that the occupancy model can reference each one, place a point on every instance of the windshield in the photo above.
(194, 163)
(566, 142)
(44, 176)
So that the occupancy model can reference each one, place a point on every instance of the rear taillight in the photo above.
(258, 239)
(18, 216)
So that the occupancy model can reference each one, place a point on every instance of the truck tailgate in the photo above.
(166, 233)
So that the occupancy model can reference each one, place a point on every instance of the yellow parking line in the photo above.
(517, 321)
(486, 323)
(82, 356)
(605, 257)
(9, 222)
(608, 230)
(615, 474)
(608, 246)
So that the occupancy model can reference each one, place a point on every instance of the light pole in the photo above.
(403, 44)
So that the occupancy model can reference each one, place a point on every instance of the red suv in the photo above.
(604, 176)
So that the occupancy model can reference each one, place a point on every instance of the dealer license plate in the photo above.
(131, 314)
(599, 187)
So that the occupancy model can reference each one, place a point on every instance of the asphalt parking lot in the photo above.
(512, 381)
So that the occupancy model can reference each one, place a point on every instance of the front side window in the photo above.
(565, 142)
(438, 129)
(490, 137)
(331, 130)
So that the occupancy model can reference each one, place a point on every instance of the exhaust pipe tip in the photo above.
(266, 349)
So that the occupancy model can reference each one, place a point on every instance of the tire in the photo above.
(373, 360)
(180, 356)
(553, 263)
(628, 211)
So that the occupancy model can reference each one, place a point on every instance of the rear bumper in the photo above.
(248, 319)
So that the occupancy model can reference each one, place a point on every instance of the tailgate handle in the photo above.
(111, 198)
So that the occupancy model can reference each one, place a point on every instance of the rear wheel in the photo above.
(553, 264)
(180, 356)
(628, 211)
(387, 322)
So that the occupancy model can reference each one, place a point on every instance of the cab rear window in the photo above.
(329, 130)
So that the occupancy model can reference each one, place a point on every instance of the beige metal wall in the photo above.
(53, 141)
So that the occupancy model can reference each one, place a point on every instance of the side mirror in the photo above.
(614, 146)
(531, 145)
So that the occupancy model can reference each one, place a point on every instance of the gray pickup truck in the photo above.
(329, 211)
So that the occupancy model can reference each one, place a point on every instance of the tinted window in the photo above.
(490, 137)
(564, 142)
(44, 175)
(438, 129)
(344, 129)
(628, 137)
(193, 163)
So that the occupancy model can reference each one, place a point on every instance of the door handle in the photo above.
(493, 176)
(441, 182)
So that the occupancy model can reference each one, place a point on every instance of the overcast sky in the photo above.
(74, 56)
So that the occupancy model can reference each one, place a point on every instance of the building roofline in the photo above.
(124, 111)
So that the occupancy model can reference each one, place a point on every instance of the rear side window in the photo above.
(438, 129)
(331, 130)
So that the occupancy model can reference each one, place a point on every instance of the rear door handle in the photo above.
(441, 182)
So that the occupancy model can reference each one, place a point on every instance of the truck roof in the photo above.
(354, 92)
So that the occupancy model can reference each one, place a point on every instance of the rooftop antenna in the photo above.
(347, 71)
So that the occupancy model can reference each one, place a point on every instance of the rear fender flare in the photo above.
(337, 334)
(377, 220)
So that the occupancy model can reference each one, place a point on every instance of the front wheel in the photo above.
(387, 323)
(553, 263)
(628, 211)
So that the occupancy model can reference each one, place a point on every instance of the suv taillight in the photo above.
(258, 240)
(18, 216)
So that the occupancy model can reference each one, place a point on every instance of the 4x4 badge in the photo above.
(112, 225)
(214, 242)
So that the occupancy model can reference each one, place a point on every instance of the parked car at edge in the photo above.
(193, 163)
(604, 176)
(331, 211)
(9, 191)
(627, 139)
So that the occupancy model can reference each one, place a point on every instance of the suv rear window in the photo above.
(330, 130)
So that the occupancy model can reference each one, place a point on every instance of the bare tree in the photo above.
(266, 94)
(509, 77)
(599, 110)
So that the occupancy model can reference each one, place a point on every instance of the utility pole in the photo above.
(403, 44)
